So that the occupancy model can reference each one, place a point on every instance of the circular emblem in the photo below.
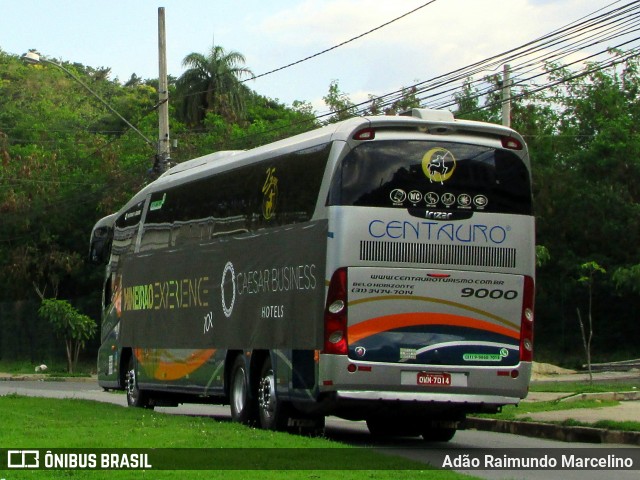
(464, 200)
(228, 268)
(398, 196)
(438, 164)
(448, 199)
(480, 201)
(415, 196)
(360, 351)
(432, 198)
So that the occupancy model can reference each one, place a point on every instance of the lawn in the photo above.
(30, 423)
(520, 412)
(585, 387)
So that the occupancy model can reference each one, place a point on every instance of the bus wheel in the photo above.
(135, 396)
(242, 405)
(438, 434)
(391, 427)
(272, 412)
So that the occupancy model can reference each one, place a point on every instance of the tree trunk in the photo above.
(586, 342)
(69, 345)
(76, 353)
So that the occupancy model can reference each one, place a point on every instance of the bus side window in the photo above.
(233, 202)
(126, 230)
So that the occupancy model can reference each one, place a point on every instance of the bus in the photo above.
(380, 269)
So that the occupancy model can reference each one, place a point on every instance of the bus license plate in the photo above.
(434, 379)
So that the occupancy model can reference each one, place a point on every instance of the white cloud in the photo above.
(434, 40)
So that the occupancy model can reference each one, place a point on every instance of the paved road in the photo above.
(354, 433)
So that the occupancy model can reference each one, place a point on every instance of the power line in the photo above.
(558, 36)
(563, 80)
(340, 44)
(459, 74)
(539, 73)
(315, 55)
(602, 27)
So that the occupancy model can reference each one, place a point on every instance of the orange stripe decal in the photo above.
(440, 301)
(391, 322)
(151, 361)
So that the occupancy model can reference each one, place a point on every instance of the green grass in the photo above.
(50, 423)
(584, 387)
(556, 354)
(520, 412)
(512, 412)
(55, 368)
(605, 424)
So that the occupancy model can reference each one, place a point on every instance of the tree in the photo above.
(474, 104)
(628, 278)
(588, 272)
(66, 161)
(584, 143)
(70, 325)
(542, 255)
(339, 103)
(212, 84)
(408, 99)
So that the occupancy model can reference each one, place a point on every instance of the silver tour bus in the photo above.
(377, 269)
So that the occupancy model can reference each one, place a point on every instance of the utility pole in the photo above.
(506, 97)
(164, 146)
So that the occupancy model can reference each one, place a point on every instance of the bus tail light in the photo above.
(511, 143)
(335, 315)
(526, 322)
(365, 134)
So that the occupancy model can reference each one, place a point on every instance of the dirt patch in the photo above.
(544, 370)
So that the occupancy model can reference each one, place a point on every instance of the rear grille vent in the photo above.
(436, 254)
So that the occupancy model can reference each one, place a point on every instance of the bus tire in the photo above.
(438, 434)
(135, 397)
(392, 427)
(272, 412)
(240, 397)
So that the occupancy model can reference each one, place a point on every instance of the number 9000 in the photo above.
(486, 293)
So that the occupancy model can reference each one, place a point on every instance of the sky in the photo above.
(438, 38)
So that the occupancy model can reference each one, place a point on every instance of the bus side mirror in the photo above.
(100, 245)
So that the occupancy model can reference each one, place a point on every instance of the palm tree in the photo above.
(212, 84)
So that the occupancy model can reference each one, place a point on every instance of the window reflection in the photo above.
(457, 176)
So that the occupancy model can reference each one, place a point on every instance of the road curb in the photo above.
(39, 377)
(612, 396)
(552, 431)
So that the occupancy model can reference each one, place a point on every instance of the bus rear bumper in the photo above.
(366, 385)
(441, 398)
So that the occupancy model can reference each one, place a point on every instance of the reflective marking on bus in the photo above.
(172, 370)
(386, 323)
(464, 343)
(462, 306)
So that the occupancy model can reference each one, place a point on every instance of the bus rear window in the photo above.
(437, 175)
